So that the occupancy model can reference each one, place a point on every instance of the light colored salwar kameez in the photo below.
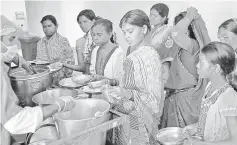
(212, 125)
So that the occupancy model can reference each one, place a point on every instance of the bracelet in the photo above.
(113, 82)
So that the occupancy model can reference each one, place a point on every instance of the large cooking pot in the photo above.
(86, 114)
(26, 86)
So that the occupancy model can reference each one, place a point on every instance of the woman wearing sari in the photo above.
(227, 32)
(184, 88)
(141, 95)
(107, 58)
(159, 19)
(54, 48)
(218, 118)
(159, 35)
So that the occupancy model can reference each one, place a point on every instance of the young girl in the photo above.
(107, 58)
(218, 118)
(84, 45)
(141, 94)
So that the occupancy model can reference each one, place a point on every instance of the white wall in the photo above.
(64, 11)
(213, 12)
(37, 9)
(8, 9)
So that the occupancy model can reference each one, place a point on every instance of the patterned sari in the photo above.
(144, 102)
(57, 48)
(185, 89)
(159, 38)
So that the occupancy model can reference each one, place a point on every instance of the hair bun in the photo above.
(232, 79)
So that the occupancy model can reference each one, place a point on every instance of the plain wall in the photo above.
(213, 12)
(8, 9)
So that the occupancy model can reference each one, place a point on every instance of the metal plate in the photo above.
(87, 89)
(171, 136)
(69, 83)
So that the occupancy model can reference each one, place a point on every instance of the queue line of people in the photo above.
(198, 75)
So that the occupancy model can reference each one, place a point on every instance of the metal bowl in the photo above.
(171, 136)
(48, 97)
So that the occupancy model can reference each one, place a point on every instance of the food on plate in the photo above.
(82, 79)
(96, 84)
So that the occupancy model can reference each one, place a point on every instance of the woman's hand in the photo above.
(28, 67)
(96, 77)
(112, 94)
(56, 65)
(65, 103)
(192, 12)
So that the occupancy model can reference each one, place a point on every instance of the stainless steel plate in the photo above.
(171, 136)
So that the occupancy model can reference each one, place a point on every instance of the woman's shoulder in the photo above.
(81, 40)
(60, 37)
(80, 43)
(146, 52)
(148, 48)
(227, 102)
(119, 49)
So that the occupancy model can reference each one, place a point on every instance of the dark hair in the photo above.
(108, 25)
(230, 24)
(180, 17)
(224, 55)
(98, 18)
(51, 18)
(89, 14)
(136, 17)
(163, 10)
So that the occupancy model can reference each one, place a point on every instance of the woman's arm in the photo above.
(39, 51)
(121, 98)
(29, 118)
(180, 31)
(117, 67)
(80, 57)
(81, 64)
(68, 52)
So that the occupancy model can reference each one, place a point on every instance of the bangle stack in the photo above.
(113, 82)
